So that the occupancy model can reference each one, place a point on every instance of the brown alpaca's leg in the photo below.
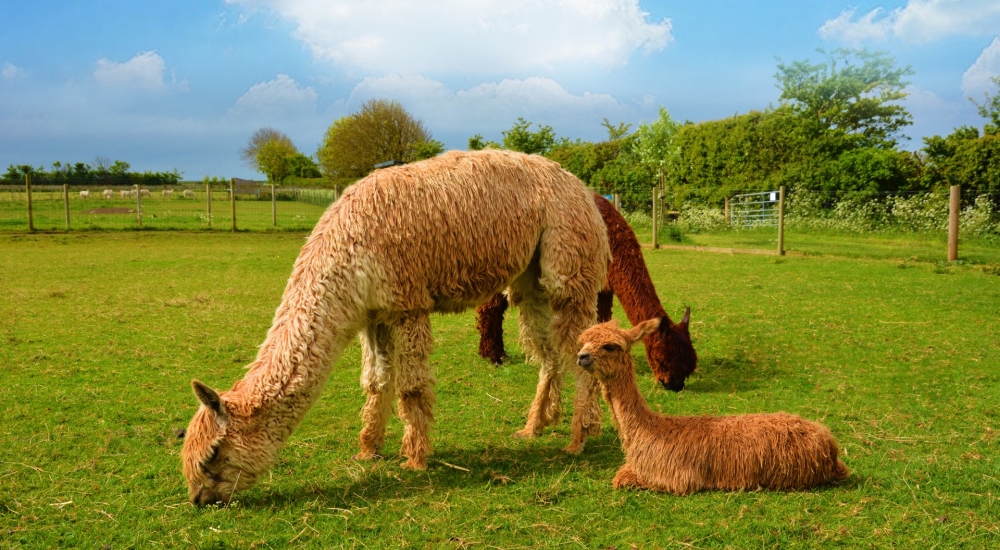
(415, 387)
(378, 381)
(534, 316)
(489, 322)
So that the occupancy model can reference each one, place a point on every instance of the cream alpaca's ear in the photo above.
(641, 330)
(209, 397)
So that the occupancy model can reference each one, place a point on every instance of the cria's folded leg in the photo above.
(378, 381)
(415, 387)
(535, 314)
(626, 478)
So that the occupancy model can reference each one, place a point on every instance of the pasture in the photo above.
(100, 334)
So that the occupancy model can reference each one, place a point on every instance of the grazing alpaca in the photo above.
(84, 194)
(108, 194)
(168, 193)
(123, 193)
(668, 349)
(680, 454)
(440, 235)
(188, 194)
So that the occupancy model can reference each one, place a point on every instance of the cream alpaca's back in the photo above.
(681, 455)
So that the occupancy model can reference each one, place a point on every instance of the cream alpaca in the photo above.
(681, 455)
(440, 235)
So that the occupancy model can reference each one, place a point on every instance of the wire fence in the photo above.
(247, 206)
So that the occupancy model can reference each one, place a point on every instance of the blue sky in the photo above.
(183, 84)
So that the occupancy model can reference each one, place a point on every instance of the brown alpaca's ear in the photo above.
(687, 318)
(642, 330)
(209, 397)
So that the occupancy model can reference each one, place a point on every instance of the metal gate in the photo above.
(755, 209)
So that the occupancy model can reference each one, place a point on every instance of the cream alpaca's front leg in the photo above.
(415, 387)
(586, 412)
(378, 380)
(535, 318)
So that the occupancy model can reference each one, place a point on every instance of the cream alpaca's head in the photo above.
(604, 348)
(220, 454)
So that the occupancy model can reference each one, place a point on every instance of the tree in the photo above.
(381, 131)
(273, 159)
(655, 141)
(520, 138)
(851, 96)
(249, 152)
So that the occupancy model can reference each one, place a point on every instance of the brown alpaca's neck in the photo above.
(629, 408)
(627, 274)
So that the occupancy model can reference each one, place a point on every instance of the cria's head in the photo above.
(217, 459)
(604, 348)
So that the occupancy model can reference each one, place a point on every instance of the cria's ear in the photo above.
(641, 330)
(208, 397)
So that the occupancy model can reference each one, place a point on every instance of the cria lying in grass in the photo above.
(683, 454)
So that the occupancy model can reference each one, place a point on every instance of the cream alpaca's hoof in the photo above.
(524, 434)
(412, 464)
(367, 456)
(574, 449)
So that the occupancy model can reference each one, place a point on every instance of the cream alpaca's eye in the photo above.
(611, 347)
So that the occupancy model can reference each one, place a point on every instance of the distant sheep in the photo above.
(683, 454)
(188, 194)
(84, 194)
(168, 193)
(123, 193)
(145, 193)
(107, 193)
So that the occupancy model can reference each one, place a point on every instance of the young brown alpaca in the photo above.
(680, 455)
(668, 349)
(440, 235)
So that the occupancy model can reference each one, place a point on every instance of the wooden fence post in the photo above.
(31, 212)
(232, 200)
(655, 193)
(618, 201)
(953, 215)
(274, 208)
(66, 203)
(138, 205)
(208, 203)
(781, 221)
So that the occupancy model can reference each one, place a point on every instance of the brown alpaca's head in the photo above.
(218, 456)
(670, 353)
(604, 348)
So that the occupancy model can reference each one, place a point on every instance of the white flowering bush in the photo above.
(638, 220)
(699, 219)
(920, 213)
(978, 219)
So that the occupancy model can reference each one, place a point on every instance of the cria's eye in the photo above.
(611, 347)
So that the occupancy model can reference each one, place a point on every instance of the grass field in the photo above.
(100, 334)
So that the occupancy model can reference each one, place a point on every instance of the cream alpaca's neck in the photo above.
(314, 323)
(628, 407)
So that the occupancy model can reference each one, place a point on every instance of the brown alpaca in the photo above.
(668, 349)
(683, 454)
(440, 235)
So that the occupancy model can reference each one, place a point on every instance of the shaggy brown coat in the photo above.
(681, 455)
(440, 235)
(668, 349)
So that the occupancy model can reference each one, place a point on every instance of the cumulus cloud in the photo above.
(917, 21)
(491, 36)
(976, 80)
(11, 71)
(279, 97)
(144, 71)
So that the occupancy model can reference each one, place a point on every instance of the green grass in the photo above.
(158, 213)
(100, 334)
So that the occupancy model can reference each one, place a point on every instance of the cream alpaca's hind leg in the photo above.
(378, 381)
(535, 318)
(415, 387)
(568, 321)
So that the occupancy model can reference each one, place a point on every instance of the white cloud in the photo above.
(276, 98)
(144, 71)
(11, 71)
(488, 36)
(918, 21)
(976, 79)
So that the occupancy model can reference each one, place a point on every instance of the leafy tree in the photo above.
(249, 152)
(381, 131)
(477, 143)
(520, 138)
(655, 146)
(274, 159)
(427, 149)
(301, 166)
(852, 95)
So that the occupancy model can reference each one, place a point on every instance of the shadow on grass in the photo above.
(535, 471)
(741, 372)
